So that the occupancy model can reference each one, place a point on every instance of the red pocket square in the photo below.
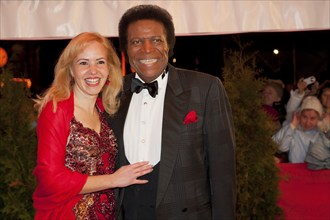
(191, 117)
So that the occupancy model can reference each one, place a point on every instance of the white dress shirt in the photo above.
(143, 125)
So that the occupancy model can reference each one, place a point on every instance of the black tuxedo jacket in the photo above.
(197, 166)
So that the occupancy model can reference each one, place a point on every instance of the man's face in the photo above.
(147, 48)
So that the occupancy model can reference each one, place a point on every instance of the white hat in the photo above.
(312, 102)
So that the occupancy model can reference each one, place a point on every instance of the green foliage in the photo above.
(257, 174)
(17, 149)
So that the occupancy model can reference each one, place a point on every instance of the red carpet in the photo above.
(305, 194)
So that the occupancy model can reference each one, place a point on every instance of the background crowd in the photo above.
(302, 116)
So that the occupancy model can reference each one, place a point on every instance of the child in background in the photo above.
(297, 136)
(297, 95)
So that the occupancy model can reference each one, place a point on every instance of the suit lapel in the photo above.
(175, 106)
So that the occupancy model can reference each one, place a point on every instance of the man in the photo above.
(182, 124)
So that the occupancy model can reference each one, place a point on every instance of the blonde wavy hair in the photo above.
(63, 81)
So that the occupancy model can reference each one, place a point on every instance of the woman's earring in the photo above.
(107, 82)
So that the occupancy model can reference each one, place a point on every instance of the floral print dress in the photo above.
(91, 153)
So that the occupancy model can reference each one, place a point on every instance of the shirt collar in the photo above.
(161, 80)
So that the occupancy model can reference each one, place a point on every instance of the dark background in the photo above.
(301, 54)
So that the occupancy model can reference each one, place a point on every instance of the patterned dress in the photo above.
(91, 153)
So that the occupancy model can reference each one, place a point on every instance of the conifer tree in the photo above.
(257, 174)
(17, 149)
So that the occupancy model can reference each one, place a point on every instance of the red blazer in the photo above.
(58, 187)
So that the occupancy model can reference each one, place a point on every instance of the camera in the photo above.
(310, 80)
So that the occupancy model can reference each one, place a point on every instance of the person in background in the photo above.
(297, 95)
(318, 155)
(272, 95)
(76, 147)
(297, 136)
(324, 96)
(272, 101)
(179, 120)
(323, 91)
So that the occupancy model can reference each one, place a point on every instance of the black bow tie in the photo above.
(137, 86)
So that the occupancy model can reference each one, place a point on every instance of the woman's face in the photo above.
(269, 96)
(147, 48)
(90, 70)
(325, 98)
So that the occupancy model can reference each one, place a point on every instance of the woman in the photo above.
(272, 95)
(76, 147)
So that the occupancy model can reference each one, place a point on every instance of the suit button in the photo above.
(184, 210)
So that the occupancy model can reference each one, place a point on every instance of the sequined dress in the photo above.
(91, 153)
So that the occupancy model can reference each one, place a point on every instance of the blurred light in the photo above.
(174, 60)
(27, 81)
(275, 51)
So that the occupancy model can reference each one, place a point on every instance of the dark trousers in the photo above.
(140, 199)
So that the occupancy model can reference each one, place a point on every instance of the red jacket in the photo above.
(58, 187)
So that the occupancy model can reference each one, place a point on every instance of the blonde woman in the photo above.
(76, 147)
